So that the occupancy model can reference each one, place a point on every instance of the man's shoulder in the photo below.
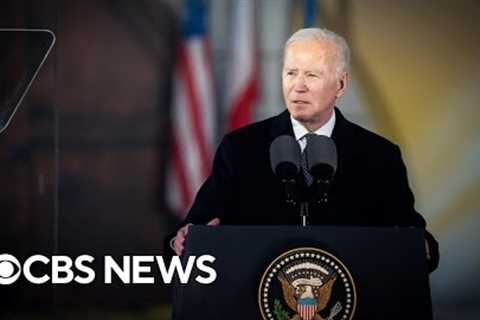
(372, 137)
(258, 130)
(366, 141)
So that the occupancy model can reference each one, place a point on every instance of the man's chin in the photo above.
(301, 117)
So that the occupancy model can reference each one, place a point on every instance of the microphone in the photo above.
(322, 163)
(285, 157)
(285, 161)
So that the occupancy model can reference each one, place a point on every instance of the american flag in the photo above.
(194, 112)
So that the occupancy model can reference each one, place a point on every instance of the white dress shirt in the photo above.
(300, 131)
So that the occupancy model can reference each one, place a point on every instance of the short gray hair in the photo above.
(321, 34)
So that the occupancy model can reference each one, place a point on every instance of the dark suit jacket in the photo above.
(370, 187)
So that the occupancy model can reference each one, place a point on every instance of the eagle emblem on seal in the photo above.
(307, 288)
(307, 284)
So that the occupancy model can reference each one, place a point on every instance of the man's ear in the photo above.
(342, 84)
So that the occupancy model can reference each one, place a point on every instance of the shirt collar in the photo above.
(326, 130)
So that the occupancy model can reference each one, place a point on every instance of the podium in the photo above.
(314, 272)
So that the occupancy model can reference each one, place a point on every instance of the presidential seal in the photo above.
(307, 284)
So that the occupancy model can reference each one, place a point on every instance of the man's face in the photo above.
(310, 82)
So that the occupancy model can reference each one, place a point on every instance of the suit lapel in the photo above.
(281, 125)
(344, 136)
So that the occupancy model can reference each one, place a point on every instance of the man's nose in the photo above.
(300, 84)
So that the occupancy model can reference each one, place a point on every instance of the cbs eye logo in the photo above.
(9, 269)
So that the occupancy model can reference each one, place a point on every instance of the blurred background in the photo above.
(105, 152)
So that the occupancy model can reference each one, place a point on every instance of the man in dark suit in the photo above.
(370, 186)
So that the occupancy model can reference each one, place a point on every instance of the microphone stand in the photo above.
(323, 186)
(319, 195)
(293, 197)
(290, 191)
(304, 213)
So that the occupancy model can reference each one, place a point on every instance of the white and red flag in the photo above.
(244, 74)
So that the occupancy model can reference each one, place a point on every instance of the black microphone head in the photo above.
(322, 157)
(285, 157)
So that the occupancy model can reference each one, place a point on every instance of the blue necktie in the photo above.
(306, 174)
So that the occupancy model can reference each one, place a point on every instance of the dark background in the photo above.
(82, 163)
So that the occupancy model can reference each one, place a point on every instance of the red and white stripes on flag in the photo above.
(193, 124)
(194, 110)
(243, 82)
